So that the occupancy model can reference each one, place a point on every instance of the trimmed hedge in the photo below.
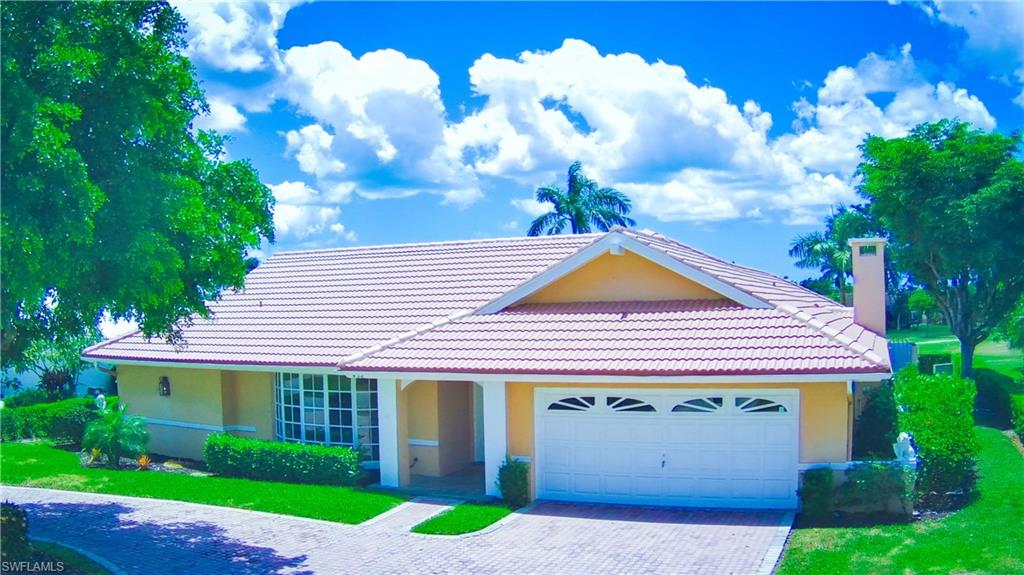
(926, 361)
(281, 461)
(937, 410)
(1017, 414)
(816, 494)
(514, 482)
(63, 420)
(995, 390)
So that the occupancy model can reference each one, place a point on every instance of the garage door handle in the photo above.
(663, 462)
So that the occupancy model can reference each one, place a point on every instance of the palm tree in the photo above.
(582, 206)
(828, 250)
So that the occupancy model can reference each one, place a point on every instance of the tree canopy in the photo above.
(582, 206)
(112, 201)
(952, 199)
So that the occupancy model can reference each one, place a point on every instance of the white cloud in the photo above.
(829, 130)
(380, 112)
(994, 34)
(223, 117)
(303, 214)
(680, 150)
(311, 147)
(234, 36)
(532, 207)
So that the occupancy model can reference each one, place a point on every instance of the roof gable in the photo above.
(627, 276)
(616, 242)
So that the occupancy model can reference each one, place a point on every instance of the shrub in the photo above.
(936, 410)
(14, 543)
(926, 361)
(872, 487)
(994, 391)
(514, 482)
(117, 435)
(816, 498)
(1017, 414)
(280, 461)
(64, 420)
(875, 430)
(30, 396)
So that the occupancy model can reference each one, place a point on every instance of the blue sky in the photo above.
(732, 126)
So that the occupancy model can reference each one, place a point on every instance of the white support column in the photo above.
(387, 418)
(495, 430)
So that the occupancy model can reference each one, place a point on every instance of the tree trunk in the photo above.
(967, 357)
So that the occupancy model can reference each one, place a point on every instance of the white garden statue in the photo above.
(101, 402)
(904, 449)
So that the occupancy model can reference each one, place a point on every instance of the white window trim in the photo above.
(325, 390)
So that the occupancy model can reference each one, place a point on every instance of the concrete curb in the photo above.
(778, 544)
(114, 569)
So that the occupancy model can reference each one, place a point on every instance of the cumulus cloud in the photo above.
(994, 35)
(311, 147)
(224, 117)
(234, 36)
(682, 151)
(302, 214)
(531, 207)
(829, 130)
(380, 111)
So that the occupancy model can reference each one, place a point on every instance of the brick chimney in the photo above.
(869, 283)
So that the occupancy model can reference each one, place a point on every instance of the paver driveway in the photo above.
(154, 537)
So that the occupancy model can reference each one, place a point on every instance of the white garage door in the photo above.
(699, 448)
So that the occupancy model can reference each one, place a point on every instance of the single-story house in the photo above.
(625, 367)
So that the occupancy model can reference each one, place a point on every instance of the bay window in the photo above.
(327, 409)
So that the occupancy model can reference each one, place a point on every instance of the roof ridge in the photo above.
(438, 243)
(403, 337)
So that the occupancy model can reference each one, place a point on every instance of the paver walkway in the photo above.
(167, 537)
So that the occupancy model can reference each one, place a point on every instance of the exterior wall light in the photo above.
(165, 385)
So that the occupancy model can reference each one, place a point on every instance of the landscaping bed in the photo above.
(42, 465)
(984, 538)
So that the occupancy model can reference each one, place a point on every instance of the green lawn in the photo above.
(41, 465)
(995, 355)
(986, 538)
(463, 518)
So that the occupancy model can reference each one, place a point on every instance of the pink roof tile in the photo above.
(702, 337)
(316, 307)
(411, 308)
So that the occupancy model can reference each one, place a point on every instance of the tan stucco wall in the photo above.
(196, 397)
(824, 415)
(248, 398)
(455, 425)
(437, 412)
(422, 423)
(627, 277)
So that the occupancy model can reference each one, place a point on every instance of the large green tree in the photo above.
(952, 198)
(582, 206)
(112, 200)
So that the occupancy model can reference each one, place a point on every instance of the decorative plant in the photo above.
(514, 482)
(117, 435)
(144, 462)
